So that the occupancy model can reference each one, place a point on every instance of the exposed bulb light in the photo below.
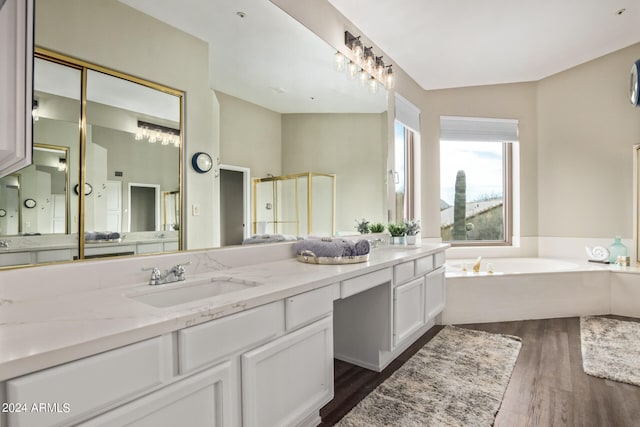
(157, 133)
(370, 69)
(62, 164)
(373, 85)
(35, 111)
(390, 80)
(363, 76)
(340, 62)
(352, 70)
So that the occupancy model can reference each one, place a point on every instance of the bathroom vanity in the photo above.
(258, 353)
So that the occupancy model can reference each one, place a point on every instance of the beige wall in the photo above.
(250, 136)
(509, 101)
(111, 34)
(587, 129)
(348, 145)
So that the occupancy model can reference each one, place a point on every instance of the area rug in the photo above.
(611, 349)
(457, 379)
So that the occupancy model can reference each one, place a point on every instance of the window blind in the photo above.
(407, 113)
(453, 128)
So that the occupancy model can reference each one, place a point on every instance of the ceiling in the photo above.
(447, 44)
(265, 56)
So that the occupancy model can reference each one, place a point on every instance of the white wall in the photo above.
(250, 136)
(348, 145)
(587, 129)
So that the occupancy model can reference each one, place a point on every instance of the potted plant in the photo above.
(397, 231)
(362, 226)
(413, 228)
(377, 227)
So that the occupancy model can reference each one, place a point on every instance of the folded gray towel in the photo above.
(334, 248)
(362, 247)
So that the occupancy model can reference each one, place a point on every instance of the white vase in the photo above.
(411, 240)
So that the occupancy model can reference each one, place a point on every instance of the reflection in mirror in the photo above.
(283, 109)
(132, 157)
(170, 210)
(10, 212)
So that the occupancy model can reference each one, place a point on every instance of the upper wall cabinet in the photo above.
(16, 56)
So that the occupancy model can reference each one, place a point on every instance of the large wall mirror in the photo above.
(261, 97)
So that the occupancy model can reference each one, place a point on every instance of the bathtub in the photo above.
(511, 289)
(502, 266)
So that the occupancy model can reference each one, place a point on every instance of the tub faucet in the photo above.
(476, 266)
(174, 274)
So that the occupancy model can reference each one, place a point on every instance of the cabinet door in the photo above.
(408, 309)
(16, 68)
(435, 293)
(290, 378)
(200, 400)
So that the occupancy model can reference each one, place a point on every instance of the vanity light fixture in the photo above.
(370, 69)
(35, 111)
(157, 133)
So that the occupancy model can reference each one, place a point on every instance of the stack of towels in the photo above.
(269, 238)
(334, 248)
(100, 236)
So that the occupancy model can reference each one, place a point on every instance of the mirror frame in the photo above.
(636, 201)
(84, 66)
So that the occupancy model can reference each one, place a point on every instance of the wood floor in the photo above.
(548, 386)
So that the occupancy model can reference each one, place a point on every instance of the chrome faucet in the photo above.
(4, 244)
(174, 274)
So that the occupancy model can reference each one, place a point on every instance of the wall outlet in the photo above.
(195, 209)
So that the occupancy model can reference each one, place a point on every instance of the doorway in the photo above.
(144, 207)
(235, 204)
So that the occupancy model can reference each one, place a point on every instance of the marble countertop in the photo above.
(38, 333)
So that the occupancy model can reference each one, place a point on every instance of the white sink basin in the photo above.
(191, 290)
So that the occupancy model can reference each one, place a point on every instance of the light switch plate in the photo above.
(195, 209)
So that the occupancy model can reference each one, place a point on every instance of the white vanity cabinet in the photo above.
(201, 400)
(78, 390)
(381, 313)
(408, 309)
(285, 382)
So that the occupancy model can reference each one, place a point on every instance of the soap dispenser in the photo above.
(617, 249)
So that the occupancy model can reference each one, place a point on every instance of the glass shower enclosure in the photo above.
(301, 204)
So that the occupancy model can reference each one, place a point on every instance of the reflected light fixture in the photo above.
(370, 69)
(35, 111)
(157, 133)
(62, 164)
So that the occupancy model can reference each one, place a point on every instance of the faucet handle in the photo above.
(155, 275)
(179, 269)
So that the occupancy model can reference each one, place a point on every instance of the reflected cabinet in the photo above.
(116, 137)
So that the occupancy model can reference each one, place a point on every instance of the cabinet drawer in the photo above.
(15, 258)
(403, 272)
(203, 344)
(366, 281)
(149, 248)
(440, 259)
(203, 399)
(90, 384)
(306, 307)
(424, 265)
(54, 255)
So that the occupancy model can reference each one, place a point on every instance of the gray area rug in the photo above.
(611, 349)
(457, 379)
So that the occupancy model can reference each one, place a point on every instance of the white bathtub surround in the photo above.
(573, 247)
(537, 288)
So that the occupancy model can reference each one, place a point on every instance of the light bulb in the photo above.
(352, 70)
(373, 85)
(390, 80)
(364, 77)
(369, 63)
(358, 50)
(339, 62)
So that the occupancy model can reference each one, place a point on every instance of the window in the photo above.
(475, 180)
(403, 174)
